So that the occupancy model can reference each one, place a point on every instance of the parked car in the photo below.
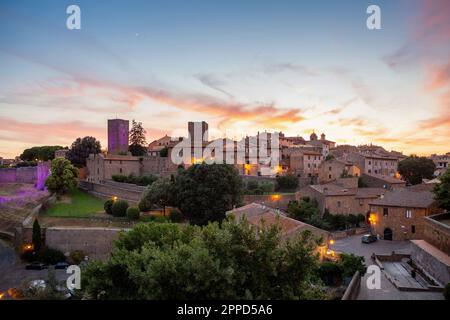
(61, 265)
(36, 266)
(368, 238)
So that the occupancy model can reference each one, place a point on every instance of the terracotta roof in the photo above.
(256, 213)
(370, 192)
(406, 197)
(388, 179)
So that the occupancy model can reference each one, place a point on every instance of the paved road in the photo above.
(13, 273)
(388, 291)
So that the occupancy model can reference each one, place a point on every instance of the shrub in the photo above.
(288, 182)
(133, 213)
(119, 208)
(330, 273)
(119, 178)
(351, 263)
(447, 291)
(175, 216)
(76, 257)
(108, 206)
(49, 255)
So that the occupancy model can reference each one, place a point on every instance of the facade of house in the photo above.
(341, 196)
(399, 214)
(333, 169)
(442, 163)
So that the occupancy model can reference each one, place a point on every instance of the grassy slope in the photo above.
(82, 205)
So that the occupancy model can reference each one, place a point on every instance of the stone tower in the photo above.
(118, 130)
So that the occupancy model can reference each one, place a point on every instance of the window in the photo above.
(98, 170)
(413, 229)
(408, 214)
(329, 176)
(370, 162)
(339, 204)
(370, 171)
(120, 170)
(361, 202)
(329, 168)
(385, 212)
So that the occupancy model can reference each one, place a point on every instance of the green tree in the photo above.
(303, 210)
(36, 236)
(413, 169)
(63, 176)
(81, 149)
(159, 193)
(288, 182)
(138, 144)
(43, 153)
(164, 152)
(205, 192)
(234, 260)
(442, 191)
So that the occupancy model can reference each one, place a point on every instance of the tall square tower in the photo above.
(118, 131)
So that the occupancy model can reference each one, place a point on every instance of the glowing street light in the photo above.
(331, 241)
(114, 198)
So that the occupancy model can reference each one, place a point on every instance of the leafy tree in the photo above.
(43, 153)
(351, 263)
(63, 176)
(288, 182)
(159, 193)
(36, 236)
(329, 157)
(81, 149)
(413, 169)
(164, 152)
(205, 192)
(138, 144)
(303, 210)
(234, 260)
(442, 191)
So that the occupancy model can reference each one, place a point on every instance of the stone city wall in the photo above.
(437, 233)
(18, 175)
(96, 243)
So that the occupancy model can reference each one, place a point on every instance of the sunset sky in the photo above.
(242, 66)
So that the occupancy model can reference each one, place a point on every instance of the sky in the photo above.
(242, 66)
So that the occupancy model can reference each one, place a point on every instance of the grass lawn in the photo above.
(78, 204)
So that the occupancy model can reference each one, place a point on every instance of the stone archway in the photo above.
(388, 234)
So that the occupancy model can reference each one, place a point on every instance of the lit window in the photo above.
(385, 212)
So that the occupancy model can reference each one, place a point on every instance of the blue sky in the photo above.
(243, 66)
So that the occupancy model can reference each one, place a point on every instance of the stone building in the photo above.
(381, 181)
(118, 131)
(341, 196)
(61, 153)
(399, 214)
(256, 213)
(304, 162)
(334, 169)
(442, 163)
(155, 147)
(102, 167)
(371, 163)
